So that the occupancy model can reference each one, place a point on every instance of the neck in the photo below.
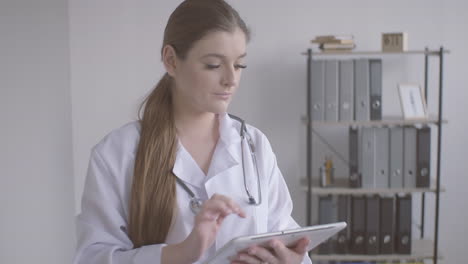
(196, 126)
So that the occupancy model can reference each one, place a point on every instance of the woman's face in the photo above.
(208, 77)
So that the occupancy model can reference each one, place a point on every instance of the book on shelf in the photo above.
(335, 46)
(333, 41)
(334, 51)
(326, 38)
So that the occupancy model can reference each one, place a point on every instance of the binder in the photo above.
(387, 225)
(331, 90)
(403, 225)
(372, 225)
(354, 175)
(327, 214)
(382, 166)
(346, 90)
(317, 90)
(358, 225)
(409, 164)
(423, 157)
(341, 246)
(361, 88)
(367, 158)
(396, 157)
(375, 67)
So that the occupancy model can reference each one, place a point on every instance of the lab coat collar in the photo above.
(186, 168)
(224, 157)
(229, 129)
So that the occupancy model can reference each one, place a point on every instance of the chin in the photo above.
(218, 109)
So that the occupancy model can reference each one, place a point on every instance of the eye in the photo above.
(240, 66)
(211, 66)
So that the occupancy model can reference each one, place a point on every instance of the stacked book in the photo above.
(332, 43)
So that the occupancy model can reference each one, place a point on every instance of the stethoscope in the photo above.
(197, 203)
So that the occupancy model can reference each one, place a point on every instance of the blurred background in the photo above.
(72, 71)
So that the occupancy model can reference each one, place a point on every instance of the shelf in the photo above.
(389, 121)
(421, 249)
(365, 191)
(351, 53)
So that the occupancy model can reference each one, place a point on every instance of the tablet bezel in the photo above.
(316, 234)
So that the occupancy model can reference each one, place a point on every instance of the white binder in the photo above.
(396, 157)
(382, 144)
(346, 90)
(367, 160)
(409, 164)
(331, 90)
(317, 90)
(361, 88)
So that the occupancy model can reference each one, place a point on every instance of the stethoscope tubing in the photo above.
(196, 203)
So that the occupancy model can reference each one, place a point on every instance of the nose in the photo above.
(229, 78)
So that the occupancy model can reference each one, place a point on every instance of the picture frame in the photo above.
(413, 103)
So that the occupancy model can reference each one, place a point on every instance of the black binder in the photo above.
(354, 175)
(341, 246)
(372, 225)
(375, 75)
(387, 225)
(358, 225)
(403, 225)
(327, 214)
(423, 149)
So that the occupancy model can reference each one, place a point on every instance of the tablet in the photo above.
(316, 234)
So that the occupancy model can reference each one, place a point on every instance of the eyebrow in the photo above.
(220, 55)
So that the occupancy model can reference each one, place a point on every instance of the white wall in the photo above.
(114, 53)
(36, 192)
(455, 166)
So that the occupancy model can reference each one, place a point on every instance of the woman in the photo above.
(140, 199)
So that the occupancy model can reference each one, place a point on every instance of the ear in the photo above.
(169, 59)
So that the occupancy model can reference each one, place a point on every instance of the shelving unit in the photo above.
(361, 191)
(422, 249)
(389, 121)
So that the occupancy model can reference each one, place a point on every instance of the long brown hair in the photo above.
(153, 195)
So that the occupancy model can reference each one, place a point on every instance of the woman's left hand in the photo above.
(279, 255)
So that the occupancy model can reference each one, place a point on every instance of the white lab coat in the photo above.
(102, 223)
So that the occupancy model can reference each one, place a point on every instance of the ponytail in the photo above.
(153, 194)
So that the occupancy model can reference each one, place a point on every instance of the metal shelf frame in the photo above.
(439, 122)
(378, 123)
(422, 249)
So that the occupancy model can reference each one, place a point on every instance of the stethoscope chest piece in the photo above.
(196, 205)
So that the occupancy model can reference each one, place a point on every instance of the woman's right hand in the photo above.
(207, 223)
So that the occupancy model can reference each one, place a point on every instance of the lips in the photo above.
(223, 95)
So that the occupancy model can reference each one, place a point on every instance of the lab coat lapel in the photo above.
(186, 169)
(222, 160)
(226, 154)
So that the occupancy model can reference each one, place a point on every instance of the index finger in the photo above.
(229, 203)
